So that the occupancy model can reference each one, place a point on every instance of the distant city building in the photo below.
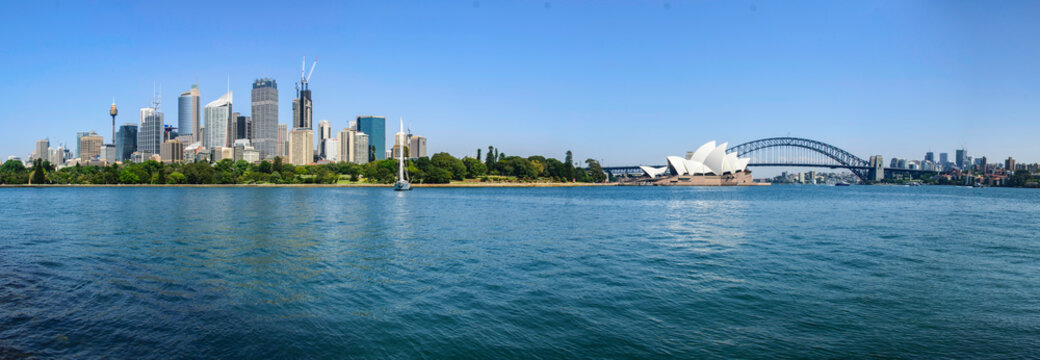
(375, 128)
(218, 122)
(417, 146)
(90, 147)
(126, 142)
(191, 152)
(324, 134)
(353, 146)
(283, 141)
(400, 145)
(944, 159)
(962, 159)
(929, 156)
(172, 152)
(243, 127)
(265, 118)
(301, 146)
(303, 109)
(1009, 164)
(149, 135)
(108, 153)
(331, 149)
(58, 156)
(188, 114)
(78, 136)
(42, 149)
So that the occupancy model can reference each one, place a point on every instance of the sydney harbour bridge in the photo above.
(795, 152)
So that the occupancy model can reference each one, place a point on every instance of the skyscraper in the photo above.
(243, 128)
(265, 118)
(149, 135)
(400, 144)
(416, 146)
(929, 156)
(218, 123)
(324, 134)
(303, 108)
(962, 159)
(126, 141)
(43, 149)
(90, 146)
(375, 128)
(79, 135)
(944, 159)
(188, 120)
(301, 146)
(282, 141)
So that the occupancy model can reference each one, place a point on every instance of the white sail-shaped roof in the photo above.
(703, 151)
(679, 164)
(716, 159)
(654, 172)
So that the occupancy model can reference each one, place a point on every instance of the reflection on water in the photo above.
(786, 271)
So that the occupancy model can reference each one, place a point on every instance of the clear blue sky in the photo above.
(625, 82)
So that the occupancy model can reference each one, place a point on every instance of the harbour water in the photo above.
(621, 272)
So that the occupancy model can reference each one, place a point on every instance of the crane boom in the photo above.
(312, 69)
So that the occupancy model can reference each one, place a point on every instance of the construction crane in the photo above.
(305, 76)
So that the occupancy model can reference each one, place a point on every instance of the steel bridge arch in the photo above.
(842, 158)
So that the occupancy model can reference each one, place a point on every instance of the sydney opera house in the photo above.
(710, 165)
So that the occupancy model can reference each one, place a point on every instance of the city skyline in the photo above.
(873, 78)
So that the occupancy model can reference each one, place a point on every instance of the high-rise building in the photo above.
(331, 149)
(218, 123)
(79, 135)
(962, 159)
(416, 146)
(929, 156)
(90, 146)
(265, 118)
(188, 114)
(944, 159)
(58, 156)
(400, 145)
(126, 142)
(1009, 164)
(301, 146)
(108, 153)
(283, 141)
(375, 128)
(149, 135)
(42, 149)
(353, 146)
(303, 108)
(243, 127)
(324, 134)
(360, 147)
(172, 151)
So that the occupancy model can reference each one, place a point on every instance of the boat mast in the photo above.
(400, 152)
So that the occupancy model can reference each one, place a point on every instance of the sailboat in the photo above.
(402, 184)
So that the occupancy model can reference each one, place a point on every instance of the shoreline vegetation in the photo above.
(441, 169)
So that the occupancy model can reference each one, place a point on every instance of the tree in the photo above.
(39, 173)
(128, 177)
(568, 166)
(265, 167)
(455, 166)
(176, 178)
(474, 168)
(277, 164)
(490, 161)
(595, 171)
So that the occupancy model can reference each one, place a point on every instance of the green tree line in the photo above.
(438, 169)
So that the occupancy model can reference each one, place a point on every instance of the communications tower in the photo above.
(113, 111)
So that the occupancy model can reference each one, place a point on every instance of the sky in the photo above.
(624, 82)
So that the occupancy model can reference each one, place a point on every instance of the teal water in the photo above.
(625, 272)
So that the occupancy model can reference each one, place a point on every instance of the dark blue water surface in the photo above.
(618, 272)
